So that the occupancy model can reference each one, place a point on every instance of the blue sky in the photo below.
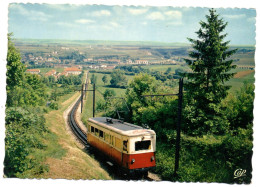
(126, 23)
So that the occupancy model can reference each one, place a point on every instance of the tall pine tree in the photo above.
(206, 87)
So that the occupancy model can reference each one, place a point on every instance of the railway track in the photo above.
(74, 125)
(77, 131)
(82, 137)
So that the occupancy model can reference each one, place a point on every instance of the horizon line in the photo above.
(148, 41)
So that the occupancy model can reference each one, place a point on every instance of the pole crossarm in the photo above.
(115, 97)
(154, 95)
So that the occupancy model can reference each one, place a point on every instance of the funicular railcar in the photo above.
(131, 147)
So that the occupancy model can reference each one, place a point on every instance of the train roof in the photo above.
(124, 128)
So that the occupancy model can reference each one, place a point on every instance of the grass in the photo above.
(163, 68)
(65, 158)
(238, 82)
(100, 89)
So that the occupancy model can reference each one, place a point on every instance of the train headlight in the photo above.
(132, 161)
(152, 158)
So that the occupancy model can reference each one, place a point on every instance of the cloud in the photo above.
(173, 14)
(251, 20)
(100, 13)
(114, 24)
(238, 16)
(110, 25)
(84, 21)
(62, 7)
(65, 24)
(135, 11)
(167, 15)
(155, 16)
(30, 14)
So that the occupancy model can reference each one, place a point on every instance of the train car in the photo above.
(131, 147)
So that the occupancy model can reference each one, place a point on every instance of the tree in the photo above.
(104, 79)
(109, 93)
(206, 87)
(118, 79)
(93, 79)
(169, 69)
(15, 68)
(239, 107)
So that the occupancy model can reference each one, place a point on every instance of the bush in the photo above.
(54, 105)
(23, 131)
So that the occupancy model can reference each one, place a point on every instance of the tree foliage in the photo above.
(93, 79)
(23, 131)
(211, 65)
(239, 107)
(104, 79)
(118, 79)
(15, 68)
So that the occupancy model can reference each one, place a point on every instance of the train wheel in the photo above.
(145, 175)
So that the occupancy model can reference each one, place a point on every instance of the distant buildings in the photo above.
(33, 71)
(73, 71)
(51, 73)
(144, 62)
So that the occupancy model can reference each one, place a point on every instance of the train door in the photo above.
(125, 153)
(111, 141)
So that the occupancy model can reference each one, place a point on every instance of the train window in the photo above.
(107, 137)
(142, 145)
(92, 129)
(96, 132)
(112, 140)
(101, 135)
(125, 145)
(118, 143)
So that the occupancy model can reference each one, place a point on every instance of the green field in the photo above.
(237, 83)
(163, 68)
(100, 89)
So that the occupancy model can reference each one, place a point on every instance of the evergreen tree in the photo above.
(93, 79)
(206, 87)
(104, 79)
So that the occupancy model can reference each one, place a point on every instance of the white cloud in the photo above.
(30, 14)
(110, 26)
(173, 14)
(238, 16)
(84, 21)
(100, 13)
(138, 11)
(251, 20)
(155, 16)
(63, 7)
(114, 24)
(65, 24)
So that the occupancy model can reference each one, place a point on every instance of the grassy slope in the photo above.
(65, 158)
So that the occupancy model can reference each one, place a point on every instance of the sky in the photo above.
(124, 23)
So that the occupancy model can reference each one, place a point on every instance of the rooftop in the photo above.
(121, 127)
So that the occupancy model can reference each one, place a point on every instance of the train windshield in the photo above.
(143, 145)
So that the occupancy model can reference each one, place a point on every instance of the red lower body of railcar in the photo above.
(140, 162)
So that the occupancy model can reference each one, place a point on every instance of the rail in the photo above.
(73, 123)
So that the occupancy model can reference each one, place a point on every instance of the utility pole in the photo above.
(94, 90)
(84, 91)
(81, 98)
(177, 147)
